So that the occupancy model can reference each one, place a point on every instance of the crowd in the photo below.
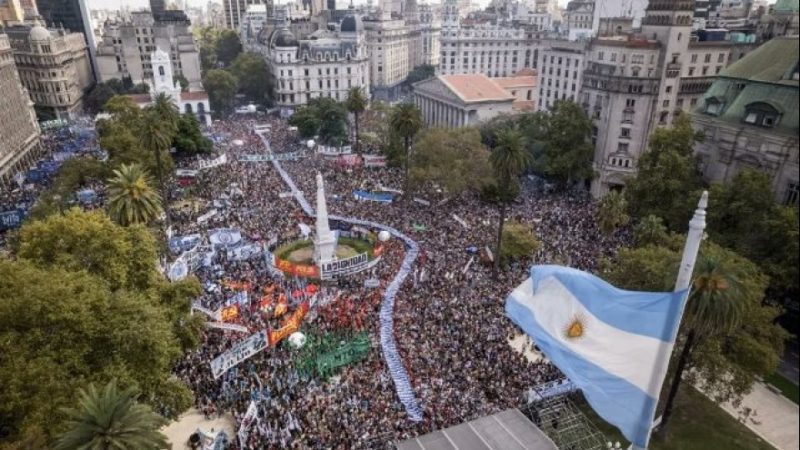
(449, 320)
(449, 323)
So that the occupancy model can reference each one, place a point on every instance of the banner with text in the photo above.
(241, 351)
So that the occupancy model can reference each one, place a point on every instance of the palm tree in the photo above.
(167, 110)
(157, 137)
(132, 198)
(406, 120)
(715, 305)
(509, 159)
(356, 103)
(611, 212)
(112, 419)
(650, 230)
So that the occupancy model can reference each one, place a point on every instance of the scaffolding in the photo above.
(564, 423)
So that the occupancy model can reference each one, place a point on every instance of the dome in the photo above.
(39, 33)
(352, 24)
(284, 38)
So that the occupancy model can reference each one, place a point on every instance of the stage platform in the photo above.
(506, 430)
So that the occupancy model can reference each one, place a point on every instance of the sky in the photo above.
(135, 4)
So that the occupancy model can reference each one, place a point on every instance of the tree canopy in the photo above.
(228, 46)
(252, 73)
(453, 159)
(519, 242)
(728, 361)
(421, 72)
(565, 150)
(667, 177)
(323, 117)
(221, 87)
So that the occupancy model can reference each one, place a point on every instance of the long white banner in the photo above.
(208, 164)
(227, 326)
(246, 348)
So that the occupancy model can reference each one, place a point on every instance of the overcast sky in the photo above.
(115, 4)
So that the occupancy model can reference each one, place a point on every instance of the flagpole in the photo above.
(691, 248)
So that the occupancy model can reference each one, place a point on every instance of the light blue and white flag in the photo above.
(613, 344)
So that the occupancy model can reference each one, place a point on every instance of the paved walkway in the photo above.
(775, 418)
(178, 432)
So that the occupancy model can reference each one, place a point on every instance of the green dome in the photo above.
(787, 5)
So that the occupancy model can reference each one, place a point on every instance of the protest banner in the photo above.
(241, 351)
(229, 313)
(211, 213)
(461, 221)
(382, 197)
(422, 201)
(210, 164)
(10, 219)
(211, 314)
(332, 269)
(227, 326)
(374, 161)
(250, 416)
(225, 237)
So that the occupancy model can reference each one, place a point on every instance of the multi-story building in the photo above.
(394, 48)
(234, 10)
(493, 50)
(10, 12)
(431, 33)
(783, 19)
(581, 19)
(325, 64)
(253, 21)
(19, 130)
(560, 65)
(128, 43)
(54, 67)
(750, 118)
(631, 85)
(72, 15)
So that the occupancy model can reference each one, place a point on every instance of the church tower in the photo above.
(163, 81)
(450, 14)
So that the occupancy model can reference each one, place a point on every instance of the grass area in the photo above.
(358, 245)
(787, 388)
(285, 250)
(697, 424)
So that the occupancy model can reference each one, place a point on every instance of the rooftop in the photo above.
(515, 81)
(772, 62)
(507, 430)
(475, 87)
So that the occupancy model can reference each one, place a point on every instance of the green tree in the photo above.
(519, 242)
(566, 147)
(650, 231)
(323, 117)
(110, 419)
(131, 197)
(667, 176)
(715, 306)
(509, 159)
(453, 159)
(727, 362)
(744, 216)
(254, 78)
(421, 72)
(156, 137)
(356, 103)
(221, 87)
(180, 79)
(228, 47)
(98, 97)
(189, 140)
(60, 330)
(306, 121)
(90, 241)
(166, 110)
(406, 120)
(611, 213)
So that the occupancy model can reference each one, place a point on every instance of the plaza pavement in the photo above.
(178, 432)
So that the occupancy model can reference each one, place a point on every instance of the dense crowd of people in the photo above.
(449, 319)
(449, 322)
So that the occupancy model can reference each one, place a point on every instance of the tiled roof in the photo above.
(475, 87)
(515, 81)
(140, 98)
(198, 95)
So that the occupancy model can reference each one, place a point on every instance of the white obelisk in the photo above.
(324, 243)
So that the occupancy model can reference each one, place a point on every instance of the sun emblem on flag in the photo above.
(576, 327)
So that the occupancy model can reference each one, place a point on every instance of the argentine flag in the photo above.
(614, 345)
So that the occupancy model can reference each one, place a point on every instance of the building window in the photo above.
(622, 147)
(625, 132)
(161, 70)
(713, 106)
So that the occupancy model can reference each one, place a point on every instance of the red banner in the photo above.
(289, 325)
(296, 269)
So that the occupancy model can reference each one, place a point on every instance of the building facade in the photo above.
(326, 64)
(163, 82)
(493, 50)
(72, 15)
(234, 10)
(560, 66)
(128, 44)
(54, 67)
(750, 119)
(452, 101)
(19, 130)
(395, 48)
